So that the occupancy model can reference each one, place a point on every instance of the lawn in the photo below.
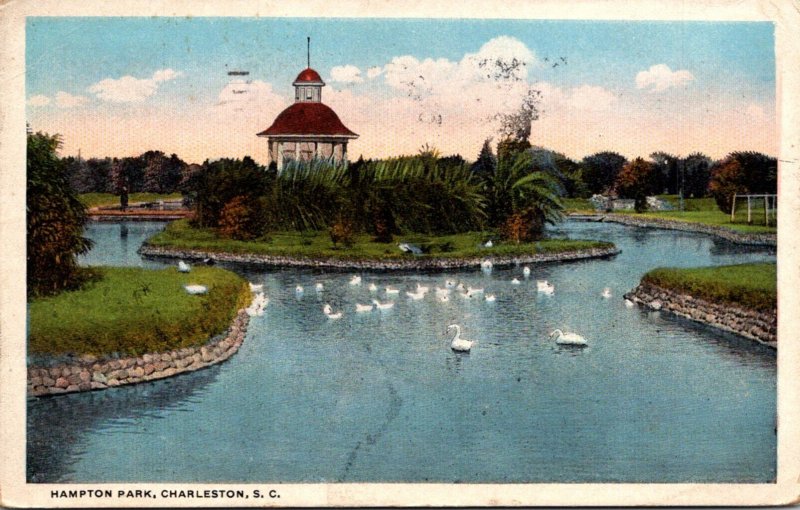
(750, 285)
(134, 310)
(317, 244)
(101, 199)
(578, 205)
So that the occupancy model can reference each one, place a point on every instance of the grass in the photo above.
(749, 285)
(317, 244)
(101, 199)
(577, 205)
(134, 310)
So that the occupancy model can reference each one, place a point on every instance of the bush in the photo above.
(239, 220)
(637, 180)
(523, 226)
(342, 232)
(742, 172)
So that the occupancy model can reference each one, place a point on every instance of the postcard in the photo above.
(524, 253)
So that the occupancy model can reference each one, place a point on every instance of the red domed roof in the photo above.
(308, 118)
(308, 75)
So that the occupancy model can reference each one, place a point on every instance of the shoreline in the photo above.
(90, 373)
(439, 263)
(745, 322)
(752, 239)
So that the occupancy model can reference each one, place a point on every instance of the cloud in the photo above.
(346, 74)
(129, 89)
(38, 100)
(66, 100)
(249, 98)
(660, 77)
(374, 72)
(590, 97)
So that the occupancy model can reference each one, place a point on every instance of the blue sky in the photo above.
(731, 65)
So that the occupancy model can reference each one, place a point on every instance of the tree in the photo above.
(217, 183)
(697, 171)
(667, 173)
(484, 167)
(55, 219)
(742, 172)
(600, 170)
(637, 180)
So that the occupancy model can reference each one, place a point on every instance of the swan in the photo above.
(382, 306)
(422, 288)
(465, 295)
(256, 288)
(355, 280)
(260, 301)
(526, 271)
(444, 298)
(486, 265)
(363, 308)
(488, 243)
(515, 281)
(299, 289)
(460, 287)
(196, 289)
(392, 290)
(441, 291)
(471, 290)
(319, 287)
(568, 338)
(373, 287)
(606, 293)
(183, 267)
(328, 311)
(629, 303)
(490, 298)
(449, 284)
(459, 344)
(415, 296)
(545, 287)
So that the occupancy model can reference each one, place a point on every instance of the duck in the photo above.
(183, 267)
(373, 287)
(392, 290)
(196, 289)
(382, 306)
(363, 308)
(328, 311)
(319, 287)
(459, 344)
(490, 298)
(526, 271)
(568, 338)
(606, 293)
(515, 281)
(355, 280)
(256, 287)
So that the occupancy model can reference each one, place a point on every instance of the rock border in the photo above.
(753, 324)
(90, 373)
(685, 226)
(395, 264)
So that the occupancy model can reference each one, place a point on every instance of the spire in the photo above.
(308, 52)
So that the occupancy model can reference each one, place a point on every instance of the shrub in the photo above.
(636, 180)
(239, 219)
(342, 232)
(523, 226)
(742, 172)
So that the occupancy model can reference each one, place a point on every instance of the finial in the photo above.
(308, 52)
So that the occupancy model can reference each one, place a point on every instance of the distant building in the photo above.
(307, 129)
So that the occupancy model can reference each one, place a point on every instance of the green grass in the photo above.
(134, 310)
(181, 235)
(750, 285)
(705, 210)
(572, 205)
(101, 199)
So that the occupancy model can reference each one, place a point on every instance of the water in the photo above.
(379, 397)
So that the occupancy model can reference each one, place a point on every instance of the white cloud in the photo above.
(660, 77)
(66, 100)
(374, 72)
(129, 89)
(590, 97)
(346, 74)
(38, 100)
(250, 98)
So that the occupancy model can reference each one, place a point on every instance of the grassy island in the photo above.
(317, 244)
(134, 311)
(748, 285)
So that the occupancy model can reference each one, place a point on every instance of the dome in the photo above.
(307, 119)
(308, 75)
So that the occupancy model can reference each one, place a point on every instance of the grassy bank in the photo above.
(317, 244)
(102, 199)
(133, 311)
(749, 285)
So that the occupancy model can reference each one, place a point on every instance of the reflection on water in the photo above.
(380, 397)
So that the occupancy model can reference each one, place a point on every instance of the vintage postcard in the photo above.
(517, 253)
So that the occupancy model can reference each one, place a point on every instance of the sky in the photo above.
(121, 86)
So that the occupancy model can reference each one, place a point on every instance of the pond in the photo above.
(380, 397)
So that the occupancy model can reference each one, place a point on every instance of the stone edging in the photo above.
(88, 373)
(752, 324)
(400, 264)
(685, 226)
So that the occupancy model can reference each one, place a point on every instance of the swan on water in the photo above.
(415, 295)
(319, 287)
(328, 311)
(449, 284)
(196, 289)
(382, 306)
(473, 290)
(568, 338)
(183, 267)
(260, 301)
(363, 308)
(526, 271)
(392, 290)
(422, 288)
(355, 280)
(373, 287)
(629, 303)
(490, 298)
(441, 291)
(299, 289)
(459, 344)
(545, 287)
(444, 298)
(515, 281)
(486, 265)
(460, 287)
(256, 287)
(606, 292)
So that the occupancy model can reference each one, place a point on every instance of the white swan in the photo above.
(319, 287)
(382, 306)
(606, 293)
(486, 265)
(328, 311)
(526, 271)
(183, 267)
(444, 298)
(355, 280)
(392, 290)
(415, 295)
(256, 308)
(373, 287)
(256, 288)
(515, 281)
(568, 338)
(363, 308)
(196, 289)
(488, 243)
(422, 288)
(299, 289)
(441, 291)
(545, 287)
(449, 284)
(490, 298)
(459, 344)
(460, 287)
(474, 290)
(629, 303)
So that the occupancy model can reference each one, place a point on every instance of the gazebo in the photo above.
(307, 129)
